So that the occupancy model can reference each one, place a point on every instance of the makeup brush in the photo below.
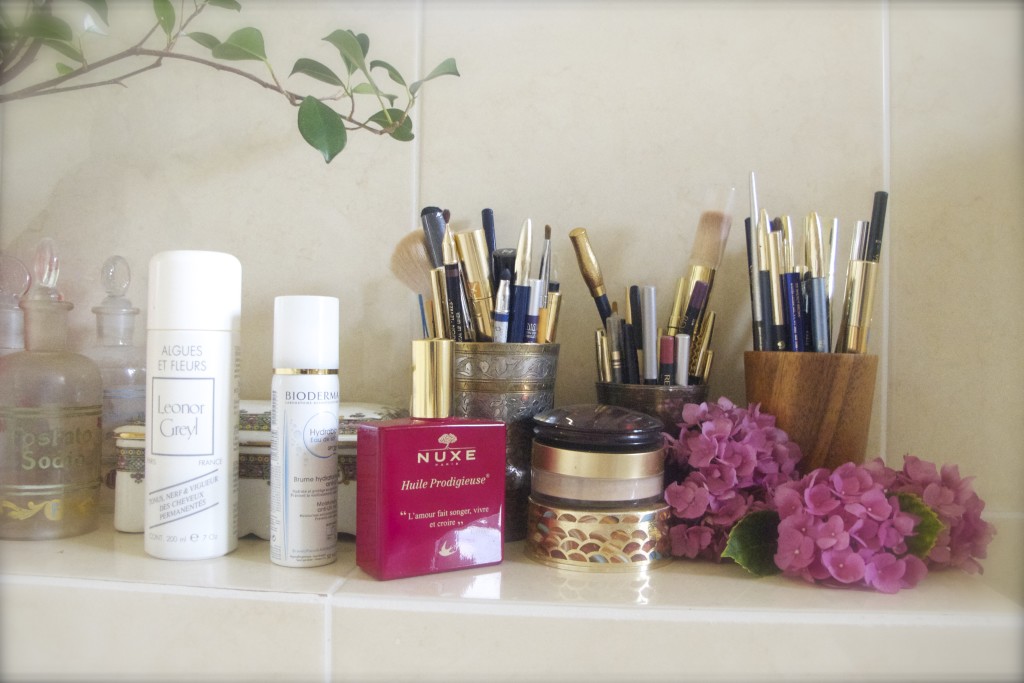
(692, 293)
(411, 265)
(591, 271)
(433, 222)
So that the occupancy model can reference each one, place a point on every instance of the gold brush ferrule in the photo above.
(472, 250)
(699, 350)
(857, 306)
(589, 267)
(675, 318)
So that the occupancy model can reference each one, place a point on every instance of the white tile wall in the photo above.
(614, 116)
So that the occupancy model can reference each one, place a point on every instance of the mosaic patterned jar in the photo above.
(596, 501)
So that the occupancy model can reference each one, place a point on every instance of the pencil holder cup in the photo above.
(511, 383)
(662, 401)
(821, 400)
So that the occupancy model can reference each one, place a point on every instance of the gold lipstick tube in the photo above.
(439, 303)
(472, 248)
(548, 324)
(857, 307)
(699, 351)
(604, 361)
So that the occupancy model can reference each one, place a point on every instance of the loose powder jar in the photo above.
(596, 500)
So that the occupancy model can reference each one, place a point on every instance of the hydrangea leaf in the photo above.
(927, 530)
(753, 542)
(245, 43)
(322, 127)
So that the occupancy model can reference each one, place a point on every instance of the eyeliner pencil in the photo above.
(754, 268)
(520, 303)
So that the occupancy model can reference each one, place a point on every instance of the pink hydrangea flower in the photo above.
(966, 536)
(730, 461)
(860, 533)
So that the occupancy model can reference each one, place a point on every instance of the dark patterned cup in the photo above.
(511, 383)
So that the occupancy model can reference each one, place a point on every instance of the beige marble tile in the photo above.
(94, 630)
(958, 288)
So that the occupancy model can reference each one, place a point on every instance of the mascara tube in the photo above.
(472, 250)
(537, 291)
(500, 327)
(613, 333)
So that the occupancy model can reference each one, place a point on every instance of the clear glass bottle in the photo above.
(50, 409)
(14, 282)
(122, 366)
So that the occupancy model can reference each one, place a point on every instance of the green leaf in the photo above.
(322, 127)
(753, 542)
(245, 43)
(927, 530)
(164, 11)
(63, 69)
(445, 68)
(350, 48)
(45, 27)
(100, 8)
(205, 39)
(226, 4)
(66, 49)
(392, 71)
(402, 133)
(371, 89)
(314, 69)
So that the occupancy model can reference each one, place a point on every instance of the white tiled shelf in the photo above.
(98, 607)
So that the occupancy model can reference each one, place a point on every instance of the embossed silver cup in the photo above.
(511, 383)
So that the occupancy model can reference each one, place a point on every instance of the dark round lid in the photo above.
(598, 426)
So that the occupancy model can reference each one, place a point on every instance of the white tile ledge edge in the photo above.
(488, 607)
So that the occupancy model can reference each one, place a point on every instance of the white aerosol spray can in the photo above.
(304, 395)
(191, 507)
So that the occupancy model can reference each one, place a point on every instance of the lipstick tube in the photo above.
(857, 307)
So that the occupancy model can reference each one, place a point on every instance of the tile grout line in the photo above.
(886, 184)
(329, 629)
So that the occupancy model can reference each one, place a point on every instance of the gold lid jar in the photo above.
(597, 490)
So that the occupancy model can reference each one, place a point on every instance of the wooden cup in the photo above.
(821, 400)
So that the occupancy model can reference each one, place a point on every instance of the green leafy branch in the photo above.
(324, 122)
